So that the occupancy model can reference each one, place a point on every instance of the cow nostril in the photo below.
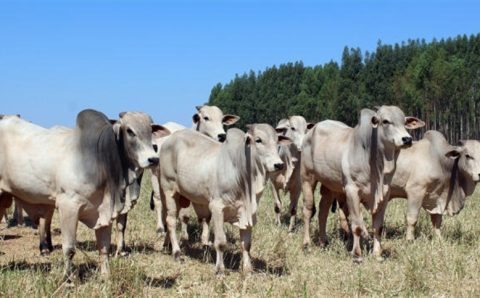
(222, 137)
(153, 161)
(407, 140)
(279, 166)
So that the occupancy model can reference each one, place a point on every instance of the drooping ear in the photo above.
(413, 123)
(375, 120)
(248, 139)
(198, 108)
(121, 114)
(116, 128)
(454, 152)
(283, 140)
(159, 131)
(196, 118)
(112, 121)
(230, 119)
(310, 126)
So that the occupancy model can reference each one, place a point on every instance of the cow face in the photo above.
(468, 154)
(139, 137)
(294, 128)
(265, 140)
(210, 120)
(392, 125)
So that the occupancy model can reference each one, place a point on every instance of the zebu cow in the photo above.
(359, 162)
(434, 175)
(222, 180)
(84, 172)
(288, 179)
(209, 120)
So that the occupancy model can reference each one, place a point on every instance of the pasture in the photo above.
(425, 267)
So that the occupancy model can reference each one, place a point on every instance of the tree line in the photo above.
(437, 81)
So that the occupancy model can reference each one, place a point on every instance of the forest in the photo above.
(437, 81)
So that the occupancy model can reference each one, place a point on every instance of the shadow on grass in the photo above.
(164, 282)
(143, 248)
(9, 237)
(231, 259)
(23, 266)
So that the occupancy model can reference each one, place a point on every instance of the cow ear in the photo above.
(230, 119)
(413, 123)
(159, 131)
(121, 114)
(198, 108)
(454, 153)
(375, 121)
(283, 140)
(116, 128)
(310, 125)
(196, 118)
(248, 139)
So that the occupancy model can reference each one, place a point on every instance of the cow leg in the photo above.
(294, 195)
(414, 203)
(437, 224)
(308, 187)
(278, 204)
(377, 220)
(356, 219)
(220, 243)
(324, 205)
(343, 217)
(5, 203)
(172, 208)
(157, 203)
(184, 219)
(45, 231)
(103, 236)
(204, 216)
(18, 214)
(246, 243)
(121, 226)
(68, 222)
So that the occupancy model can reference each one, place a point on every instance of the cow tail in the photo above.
(152, 203)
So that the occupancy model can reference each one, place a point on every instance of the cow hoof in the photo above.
(208, 244)
(380, 259)
(122, 253)
(220, 273)
(177, 256)
(45, 252)
(357, 259)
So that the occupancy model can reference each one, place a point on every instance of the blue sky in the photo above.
(163, 57)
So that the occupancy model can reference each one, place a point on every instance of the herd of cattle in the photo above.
(92, 174)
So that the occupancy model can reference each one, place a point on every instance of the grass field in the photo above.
(425, 267)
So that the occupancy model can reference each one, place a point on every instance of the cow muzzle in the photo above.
(153, 161)
(222, 137)
(407, 141)
(279, 166)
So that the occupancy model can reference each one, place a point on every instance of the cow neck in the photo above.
(131, 171)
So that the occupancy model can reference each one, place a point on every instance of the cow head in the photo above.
(209, 120)
(468, 154)
(139, 137)
(295, 128)
(392, 125)
(264, 139)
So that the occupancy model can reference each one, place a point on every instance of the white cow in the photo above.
(84, 172)
(288, 179)
(208, 120)
(359, 162)
(222, 180)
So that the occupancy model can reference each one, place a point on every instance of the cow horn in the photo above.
(198, 108)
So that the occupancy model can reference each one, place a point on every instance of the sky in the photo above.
(164, 57)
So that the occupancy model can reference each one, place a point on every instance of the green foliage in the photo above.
(437, 81)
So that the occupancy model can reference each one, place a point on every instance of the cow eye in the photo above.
(206, 118)
(386, 122)
(155, 148)
(130, 132)
(258, 140)
(293, 128)
(469, 156)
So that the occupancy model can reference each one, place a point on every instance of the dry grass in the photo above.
(425, 267)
